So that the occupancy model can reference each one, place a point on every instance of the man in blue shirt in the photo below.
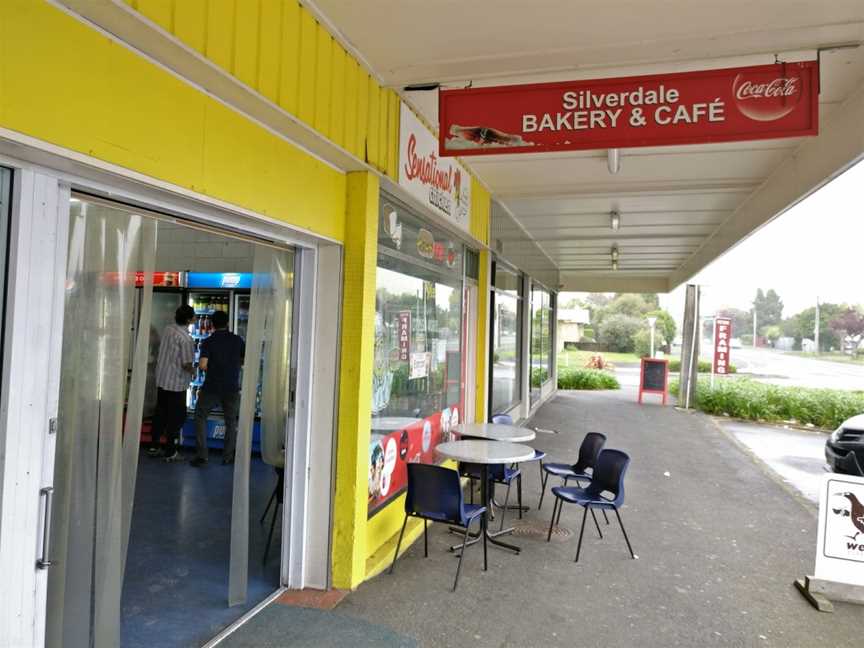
(221, 358)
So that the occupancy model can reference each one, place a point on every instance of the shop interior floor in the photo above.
(176, 588)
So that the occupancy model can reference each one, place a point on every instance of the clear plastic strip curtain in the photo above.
(96, 463)
(267, 363)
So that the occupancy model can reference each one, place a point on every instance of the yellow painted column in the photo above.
(482, 330)
(355, 381)
(481, 217)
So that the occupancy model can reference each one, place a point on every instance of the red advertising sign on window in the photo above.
(722, 337)
(727, 105)
(404, 333)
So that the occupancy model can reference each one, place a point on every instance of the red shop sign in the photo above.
(722, 337)
(728, 105)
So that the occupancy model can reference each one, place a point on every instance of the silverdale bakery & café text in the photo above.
(583, 110)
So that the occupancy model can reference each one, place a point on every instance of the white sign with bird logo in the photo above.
(840, 548)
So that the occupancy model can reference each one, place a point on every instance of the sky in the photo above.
(815, 249)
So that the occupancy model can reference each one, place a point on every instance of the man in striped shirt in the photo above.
(173, 374)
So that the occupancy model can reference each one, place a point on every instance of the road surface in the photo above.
(781, 368)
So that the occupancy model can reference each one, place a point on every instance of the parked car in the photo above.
(844, 449)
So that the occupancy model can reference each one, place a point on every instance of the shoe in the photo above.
(197, 462)
(174, 457)
(155, 452)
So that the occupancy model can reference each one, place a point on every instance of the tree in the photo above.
(629, 304)
(742, 321)
(849, 322)
(803, 326)
(618, 330)
(772, 333)
(665, 329)
(768, 307)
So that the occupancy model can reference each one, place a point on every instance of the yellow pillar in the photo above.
(355, 383)
(482, 356)
(481, 215)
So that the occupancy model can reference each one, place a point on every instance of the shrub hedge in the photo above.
(748, 399)
(586, 379)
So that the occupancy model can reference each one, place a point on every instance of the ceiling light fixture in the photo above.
(615, 265)
(614, 252)
(421, 87)
(613, 160)
(615, 220)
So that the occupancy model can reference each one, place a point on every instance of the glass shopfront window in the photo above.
(506, 342)
(541, 340)
(417, 394)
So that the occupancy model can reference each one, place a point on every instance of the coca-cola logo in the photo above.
(765, 98)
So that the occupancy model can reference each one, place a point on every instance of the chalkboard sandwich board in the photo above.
(654, 377)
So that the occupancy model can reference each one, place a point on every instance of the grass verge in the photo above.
(750, 400)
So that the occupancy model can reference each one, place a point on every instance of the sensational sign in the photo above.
(734, 104)
(442, 184)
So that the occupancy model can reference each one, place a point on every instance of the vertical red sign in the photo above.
(722, 338)
(404, 335)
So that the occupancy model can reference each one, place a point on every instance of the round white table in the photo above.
(495, 432)
(485, 453)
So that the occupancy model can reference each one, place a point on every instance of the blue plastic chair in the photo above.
(608, 477)
(591, 446)
(435, 493)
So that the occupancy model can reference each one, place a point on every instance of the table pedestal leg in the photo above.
(484, 524)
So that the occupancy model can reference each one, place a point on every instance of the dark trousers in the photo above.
(169, 418)
(207, 401)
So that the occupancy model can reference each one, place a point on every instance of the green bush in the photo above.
(642, 343)
(539, 375)
(586, 379)
(704, 366)
(617, 331)
(588, 333)
(748, 399)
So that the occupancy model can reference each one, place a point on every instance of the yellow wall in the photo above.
(63, 82)
(355, 384)
(278, 48)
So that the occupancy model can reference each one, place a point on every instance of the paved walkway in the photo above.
(719, 543)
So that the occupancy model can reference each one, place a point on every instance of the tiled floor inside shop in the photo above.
(176, 587)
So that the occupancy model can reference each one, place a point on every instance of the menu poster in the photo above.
(420, 365)
(390, 454)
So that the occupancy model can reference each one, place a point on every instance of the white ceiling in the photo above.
(672, 200)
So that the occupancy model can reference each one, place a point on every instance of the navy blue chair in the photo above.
(591, 446)
(608, 477)
(435, 493)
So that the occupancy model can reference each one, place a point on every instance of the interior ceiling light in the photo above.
(613, 160)
(615, 265)
(614, 252)
(615, 220)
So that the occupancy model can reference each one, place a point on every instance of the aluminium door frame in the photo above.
(30, 401)
(41, 180)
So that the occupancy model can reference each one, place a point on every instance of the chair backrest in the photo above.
(434, 491)
(503, 419)
(609, 474)
(591, 446)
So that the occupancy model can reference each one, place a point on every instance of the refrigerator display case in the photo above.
(206, 293)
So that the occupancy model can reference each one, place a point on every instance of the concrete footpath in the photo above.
(719, 542)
